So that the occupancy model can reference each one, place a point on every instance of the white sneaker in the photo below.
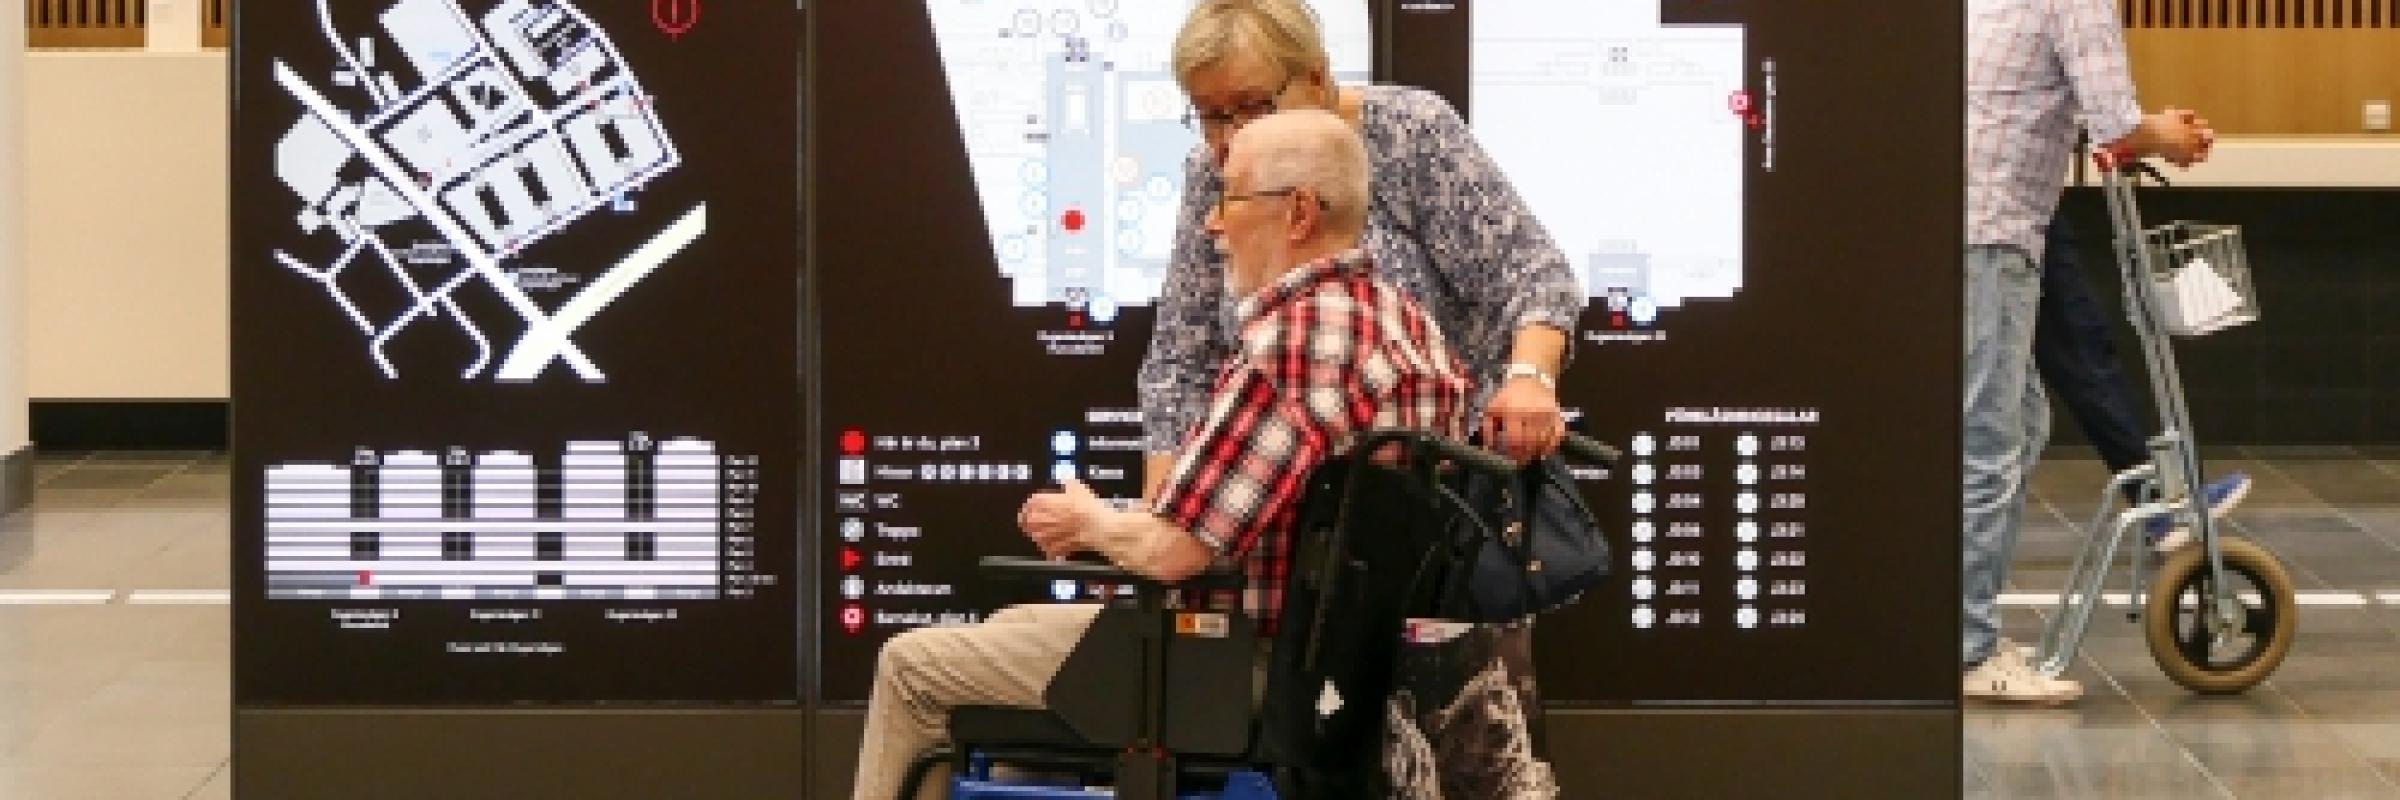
(2009, 677)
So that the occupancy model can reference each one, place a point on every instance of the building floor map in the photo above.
(516, 391)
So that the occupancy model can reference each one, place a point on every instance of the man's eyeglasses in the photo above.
(1212, 121)
(1225, 201)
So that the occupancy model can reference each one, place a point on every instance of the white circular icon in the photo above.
(1644, 444)
(1747, 445)
(1644, 503)
(1644, 588)
(1746, 474)
(1644, 531)
(1644, 474)
(1746, 560)
(1746, 617)
(1746, 502)
(1746, 530)
(1746, 589)
(1643, 617)
(1643, 559)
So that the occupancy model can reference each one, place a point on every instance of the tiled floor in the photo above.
(113, 644)
(2326, 725)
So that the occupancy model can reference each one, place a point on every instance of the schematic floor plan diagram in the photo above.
(1619, 131)
(637, 519)
(1075, 132)
(443, 147)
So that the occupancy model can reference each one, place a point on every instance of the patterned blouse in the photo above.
(1443, 223)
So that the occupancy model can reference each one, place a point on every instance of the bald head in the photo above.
(1312, 150)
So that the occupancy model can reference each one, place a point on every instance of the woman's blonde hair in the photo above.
(1284, 32)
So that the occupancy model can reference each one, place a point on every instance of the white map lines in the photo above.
(1618, 131)
(632, 519)
(481, 138)
(1074, 131)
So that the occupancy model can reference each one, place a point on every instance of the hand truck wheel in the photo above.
(2195, 647)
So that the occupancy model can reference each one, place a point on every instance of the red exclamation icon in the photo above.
(674, 17)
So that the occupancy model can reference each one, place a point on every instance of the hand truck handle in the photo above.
(2127, 165)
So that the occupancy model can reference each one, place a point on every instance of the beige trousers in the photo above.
(1007, 660)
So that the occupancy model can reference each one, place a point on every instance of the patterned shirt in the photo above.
(2033, 68)
(1327, 352)
(1443, 223)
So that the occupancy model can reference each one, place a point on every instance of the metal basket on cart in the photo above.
(2199, 277)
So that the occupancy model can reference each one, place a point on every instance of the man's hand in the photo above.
(1523, 421)
(1056, 521)
(2180, 136)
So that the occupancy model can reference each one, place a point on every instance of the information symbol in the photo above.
(675, 17)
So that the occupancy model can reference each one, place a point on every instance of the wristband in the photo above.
(1519, 369)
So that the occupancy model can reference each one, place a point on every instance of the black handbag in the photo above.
(1523, 544)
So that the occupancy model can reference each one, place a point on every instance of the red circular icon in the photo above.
(1740, 102)
(674, 17)
(1072, 220)
(854, 442)
(854, 619)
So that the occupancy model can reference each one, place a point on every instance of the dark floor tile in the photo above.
(2346, 483)
(92, 476)
(2303, 452)
(2037, 754)
(2290, 520)
(2265, 759)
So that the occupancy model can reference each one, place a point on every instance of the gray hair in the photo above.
(1313, 150)
(1284, 32)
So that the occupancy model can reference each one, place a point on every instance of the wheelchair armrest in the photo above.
(1022, 568)
(1588, 450)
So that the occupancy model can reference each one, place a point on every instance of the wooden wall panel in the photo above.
(2268, 81)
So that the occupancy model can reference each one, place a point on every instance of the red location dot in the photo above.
(1075, 319)
(1072, 220)
(854, 442)
(366, 577)
(854, 619)
(1740, 101)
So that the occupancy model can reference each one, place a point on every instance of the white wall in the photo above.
(12, 240)
(125, 222)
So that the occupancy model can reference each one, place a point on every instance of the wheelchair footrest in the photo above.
(1243, 785)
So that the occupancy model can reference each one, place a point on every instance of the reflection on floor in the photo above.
(113, 647)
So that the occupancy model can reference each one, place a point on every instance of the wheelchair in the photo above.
(1142, 708)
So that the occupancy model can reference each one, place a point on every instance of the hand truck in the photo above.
(2209, 634)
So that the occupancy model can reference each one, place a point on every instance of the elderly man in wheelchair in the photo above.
(1329, 351)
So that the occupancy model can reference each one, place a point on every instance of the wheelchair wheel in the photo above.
(2187, 640)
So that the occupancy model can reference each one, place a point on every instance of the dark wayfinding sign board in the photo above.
(515, 290)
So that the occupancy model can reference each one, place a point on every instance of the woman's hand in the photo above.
(1523, 421)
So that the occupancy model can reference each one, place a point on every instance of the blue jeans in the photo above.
(2075, 347)
(2007, 423)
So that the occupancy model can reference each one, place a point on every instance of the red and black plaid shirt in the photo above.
(1327, 352)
